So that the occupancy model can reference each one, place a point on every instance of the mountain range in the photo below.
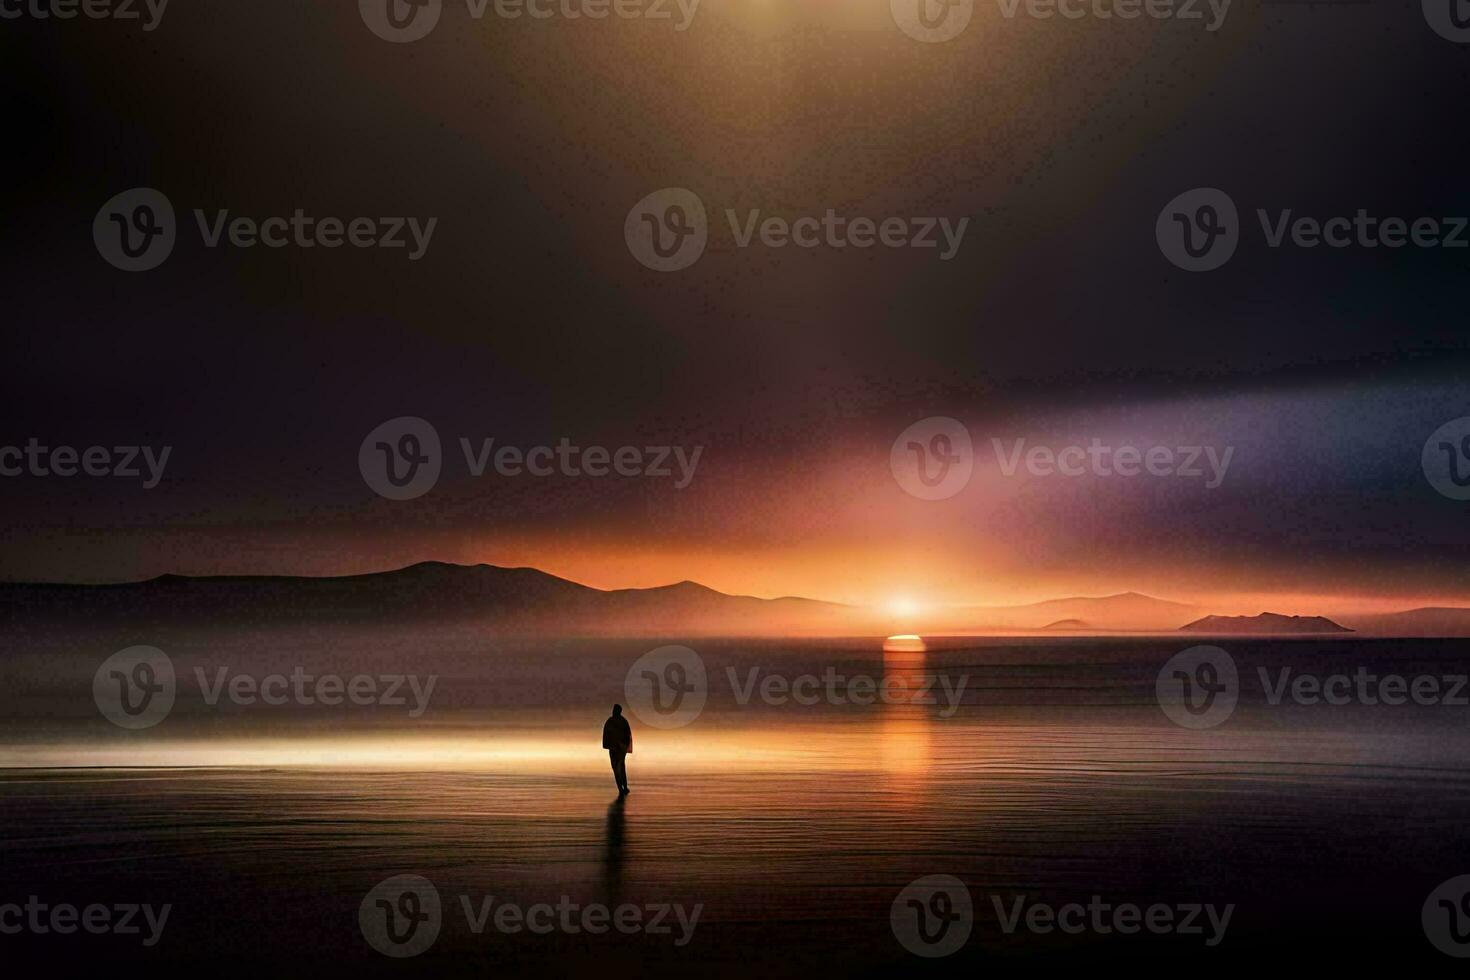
(527, 600)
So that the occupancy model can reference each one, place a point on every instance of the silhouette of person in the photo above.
(617, 738)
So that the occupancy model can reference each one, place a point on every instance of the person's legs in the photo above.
(620, 769)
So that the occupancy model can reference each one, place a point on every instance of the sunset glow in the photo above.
(903, 607)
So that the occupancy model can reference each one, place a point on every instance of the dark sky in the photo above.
(529, 320)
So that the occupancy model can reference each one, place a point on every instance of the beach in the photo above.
(790, 828)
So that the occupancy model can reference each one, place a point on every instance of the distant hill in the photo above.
(1429, 621)
(516, 600)
(1266, 622)
(1067, 624)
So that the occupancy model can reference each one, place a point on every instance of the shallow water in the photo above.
(792, 827)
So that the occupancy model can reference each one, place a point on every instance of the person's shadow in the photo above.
(612, 857)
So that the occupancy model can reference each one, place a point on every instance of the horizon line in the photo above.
(951, 607)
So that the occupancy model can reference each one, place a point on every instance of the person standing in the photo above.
(617, 738)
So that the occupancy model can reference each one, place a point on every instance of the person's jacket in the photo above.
(617, 735)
